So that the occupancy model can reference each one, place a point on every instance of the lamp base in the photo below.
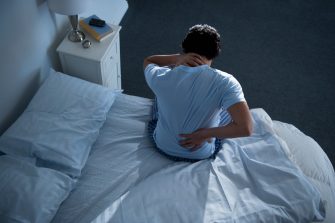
(76, 36)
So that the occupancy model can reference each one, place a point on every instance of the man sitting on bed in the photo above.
(197, 104)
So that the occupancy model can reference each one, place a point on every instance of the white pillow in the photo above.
(306, 153)
(60, 124)
(29, 193)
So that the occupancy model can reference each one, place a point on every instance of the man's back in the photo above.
(189, 98)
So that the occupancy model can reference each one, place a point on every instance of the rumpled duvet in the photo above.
(251, 179)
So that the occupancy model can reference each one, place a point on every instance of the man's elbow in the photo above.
(247, 129)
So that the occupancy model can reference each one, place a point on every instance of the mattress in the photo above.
(123, 158)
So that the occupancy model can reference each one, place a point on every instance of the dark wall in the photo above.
(282, 52)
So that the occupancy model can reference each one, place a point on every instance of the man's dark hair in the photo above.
(203, 40)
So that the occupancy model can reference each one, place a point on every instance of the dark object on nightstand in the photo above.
(97, 22)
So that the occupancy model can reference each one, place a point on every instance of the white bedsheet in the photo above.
(126, 180)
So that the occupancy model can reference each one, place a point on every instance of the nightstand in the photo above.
(99, 64)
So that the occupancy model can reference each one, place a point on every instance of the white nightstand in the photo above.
(99, 64)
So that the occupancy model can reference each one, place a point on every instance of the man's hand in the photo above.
(241, 126)
(195, 140)
(190, 59)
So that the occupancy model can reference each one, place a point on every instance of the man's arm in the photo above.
(239, 127)
(189, 59)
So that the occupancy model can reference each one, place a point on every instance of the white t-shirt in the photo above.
(189, 98)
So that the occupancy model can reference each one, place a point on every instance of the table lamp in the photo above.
(71, 8)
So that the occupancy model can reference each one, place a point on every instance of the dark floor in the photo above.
(282, 52)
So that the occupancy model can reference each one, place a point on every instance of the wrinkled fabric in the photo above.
(127, 180)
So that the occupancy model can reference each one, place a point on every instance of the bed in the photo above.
(111, 172)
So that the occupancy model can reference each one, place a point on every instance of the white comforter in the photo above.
(251, 180)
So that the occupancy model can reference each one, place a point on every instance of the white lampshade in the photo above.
(68, 7)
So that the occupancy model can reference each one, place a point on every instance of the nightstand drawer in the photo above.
(110, 72)
(111, 66)
(112, 53)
